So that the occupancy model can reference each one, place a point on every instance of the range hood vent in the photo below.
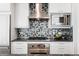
(38, 10)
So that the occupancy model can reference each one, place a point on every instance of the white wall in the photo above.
(76, 24)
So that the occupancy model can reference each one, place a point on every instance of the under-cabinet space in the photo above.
(63, 34)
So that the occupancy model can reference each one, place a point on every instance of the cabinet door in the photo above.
(4, 29)
(61, 48)
(19, 48)
(21, 15)
(4, 7)
(57, 7)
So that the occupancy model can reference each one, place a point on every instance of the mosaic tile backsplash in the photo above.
(49, 32)
(38, 28)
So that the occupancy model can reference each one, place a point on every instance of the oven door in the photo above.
(38, 49)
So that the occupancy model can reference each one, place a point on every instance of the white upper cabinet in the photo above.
(21, 15)
(59, 7)
(4, 7)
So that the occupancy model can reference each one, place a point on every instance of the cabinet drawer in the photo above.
(62, 50)
(58, 48)
(19, 44)
(19, 48)
(62, 44)
(19, 51)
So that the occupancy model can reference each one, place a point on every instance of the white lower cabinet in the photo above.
(55, 47)
(19, 48)
(61, 48)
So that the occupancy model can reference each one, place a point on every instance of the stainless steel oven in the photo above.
(61, 19)
(38, 49)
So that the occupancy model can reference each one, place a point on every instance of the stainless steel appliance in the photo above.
(38, 49)
(38, 10)
(61, 19)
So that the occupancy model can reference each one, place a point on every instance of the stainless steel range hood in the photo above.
(38, 10)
